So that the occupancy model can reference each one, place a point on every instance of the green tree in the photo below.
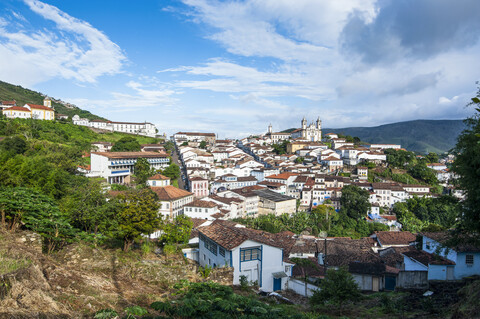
(422, 172)
(299, 160)
(467, 167)
(337, 288)
(89, 210)
(38, 213)
(126, 144)
(14, 145)
(138, 214)
(432, 157)
(172, 171)
(203, 144)
(143, 171)
(354, 201)
(177, 231)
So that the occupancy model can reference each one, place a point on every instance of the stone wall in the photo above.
(223, 276)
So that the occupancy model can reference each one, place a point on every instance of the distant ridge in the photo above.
(421, 136)
(22, 95)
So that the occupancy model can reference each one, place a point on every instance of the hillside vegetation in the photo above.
(10, 92)
(423, 136)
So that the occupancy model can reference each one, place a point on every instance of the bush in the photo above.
(169, 249)
(205, 271)
(337, 288)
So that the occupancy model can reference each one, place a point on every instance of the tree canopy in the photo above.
(355, 202)
(467, 167)
(138, 214)
(126, 144)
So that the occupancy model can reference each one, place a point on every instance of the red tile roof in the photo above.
(169, 193)
(18, 108)
(39, 107)
(395, 237)
(159, 177)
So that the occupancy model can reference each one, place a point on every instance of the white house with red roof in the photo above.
(260, 256)
(29, 110)
(158, 180)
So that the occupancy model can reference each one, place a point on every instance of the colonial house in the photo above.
(231, 181)
(172, 200)
(201, 209)
(195, 137)
(29, 110)
(116, 166)
(158, 180)
(257, 255)
(199, 187)
(101, 146)
(386, 239)
(466, 257)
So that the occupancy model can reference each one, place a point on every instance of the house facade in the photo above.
(257, 255)
(116, 166)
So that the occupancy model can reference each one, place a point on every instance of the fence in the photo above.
(412, 279)
(299, 287)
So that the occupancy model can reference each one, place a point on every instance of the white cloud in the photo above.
(73, 50)
(292, 50)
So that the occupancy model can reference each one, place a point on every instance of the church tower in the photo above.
(319, 123)
(304, 123)
(270, 129)
(47, 102)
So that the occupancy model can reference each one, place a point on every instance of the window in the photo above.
(248, 254)
(221, 251)
(469, 260)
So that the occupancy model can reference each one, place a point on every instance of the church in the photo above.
(311, 133)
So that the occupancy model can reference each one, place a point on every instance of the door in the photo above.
(390, 283)
(375, 283)
(277, 284)
(449, 273)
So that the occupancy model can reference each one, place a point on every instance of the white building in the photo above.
(145, 128)
(257, 255)
(116, 166)
(312, 132)
(201, 209)
(158, 180)
(172, 200)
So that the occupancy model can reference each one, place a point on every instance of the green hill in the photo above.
(419, 136)
(10, 92)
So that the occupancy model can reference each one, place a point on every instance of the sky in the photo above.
(233, 67)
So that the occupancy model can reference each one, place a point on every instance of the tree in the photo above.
(299, 160)
(421, 171)
(138, 214)
(126, 144)
(467, 167)
(203, 144)
(14, 145)
(142, 171)
(354, 201)
(88, 208)
(177, 231)
(432, 157)
(172, 171)
(38, 213)
(338, 287)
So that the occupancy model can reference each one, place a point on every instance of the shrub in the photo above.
(169, 249)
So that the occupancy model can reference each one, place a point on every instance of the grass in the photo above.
(10, 264)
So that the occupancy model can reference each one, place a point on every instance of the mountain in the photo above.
(421, 136)
(9, 92)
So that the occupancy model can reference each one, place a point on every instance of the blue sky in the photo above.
(233, 67)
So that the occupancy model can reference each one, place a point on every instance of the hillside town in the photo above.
(283, 174)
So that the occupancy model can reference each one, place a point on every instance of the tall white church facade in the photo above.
(311, 133)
